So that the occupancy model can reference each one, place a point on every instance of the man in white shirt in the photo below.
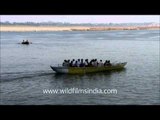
(95, 63)
(86, 63)
(78, 62)
(100, 63)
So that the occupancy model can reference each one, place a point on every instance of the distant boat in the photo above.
(83, 70)
(26, 42)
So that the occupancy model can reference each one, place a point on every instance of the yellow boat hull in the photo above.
(83, 70)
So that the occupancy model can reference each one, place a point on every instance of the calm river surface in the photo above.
(26, 72)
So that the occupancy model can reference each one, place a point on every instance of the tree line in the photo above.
(72, 24)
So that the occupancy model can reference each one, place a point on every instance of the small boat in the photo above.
(83, 70)
(27, 43)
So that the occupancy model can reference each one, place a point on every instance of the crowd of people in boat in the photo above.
(86, 63)
(25, 42)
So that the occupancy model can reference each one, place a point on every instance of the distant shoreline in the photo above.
(22, 28)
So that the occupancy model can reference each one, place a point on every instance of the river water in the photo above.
(26, 72)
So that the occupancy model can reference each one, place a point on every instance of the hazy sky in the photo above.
(82, 18)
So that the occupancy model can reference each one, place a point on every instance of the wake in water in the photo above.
(9, 76)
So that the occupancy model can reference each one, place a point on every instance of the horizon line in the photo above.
(75, 23)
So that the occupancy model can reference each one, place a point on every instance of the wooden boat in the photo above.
(83, 70)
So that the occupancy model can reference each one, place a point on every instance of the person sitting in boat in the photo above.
(90, 63)
(81, 63)
(64, 63)
(100, 64)
(72, 63)
(25, 42)
(86, 63)
(68, 63)
(95, 63)
(107, 63)
(78, 63)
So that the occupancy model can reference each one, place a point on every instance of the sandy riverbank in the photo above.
(70, 28)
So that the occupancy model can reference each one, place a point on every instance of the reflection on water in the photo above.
(10, 76)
